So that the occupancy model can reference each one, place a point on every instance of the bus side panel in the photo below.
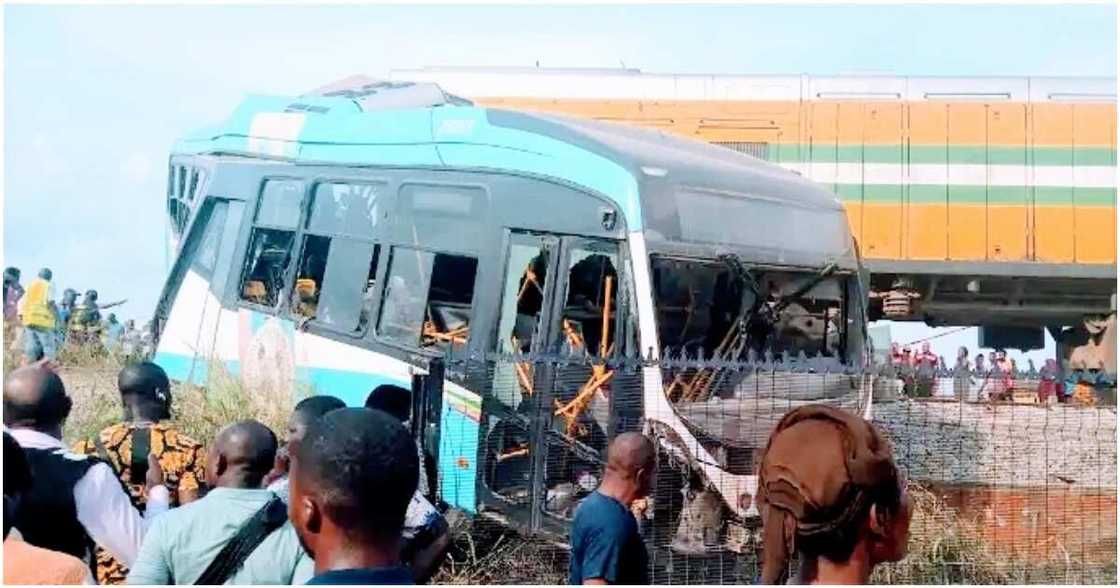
(346, 371)
(460, 428)
(178, 343)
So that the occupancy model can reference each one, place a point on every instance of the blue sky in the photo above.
(94, 96)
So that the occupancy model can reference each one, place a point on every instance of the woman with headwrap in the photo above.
(829, 491)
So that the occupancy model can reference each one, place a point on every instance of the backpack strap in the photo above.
(248, 538)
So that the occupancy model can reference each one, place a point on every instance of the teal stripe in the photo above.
(448, 136)
(350, 387)
(966, 194)
(934, 154)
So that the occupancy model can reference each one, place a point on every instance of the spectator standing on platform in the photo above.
(962, 375)
(926, 366)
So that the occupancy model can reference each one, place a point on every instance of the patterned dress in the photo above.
(184, 465)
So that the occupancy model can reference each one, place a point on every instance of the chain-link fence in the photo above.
(1012, 475)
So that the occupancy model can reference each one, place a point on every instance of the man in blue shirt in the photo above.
(606, 545)
(351, 479)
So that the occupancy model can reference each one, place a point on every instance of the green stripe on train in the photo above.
(959, 194)
(947, 154)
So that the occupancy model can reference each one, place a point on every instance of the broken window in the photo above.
(270, 244)
(449, 301)
(725, 311)
(265, 266)
(508, 471)
(588, 325)
(591, 301)
(522, 302)
(338, 262)
(428, 297)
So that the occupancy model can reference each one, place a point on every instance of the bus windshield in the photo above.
(718, 307)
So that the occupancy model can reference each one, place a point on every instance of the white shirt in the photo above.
(103, 506)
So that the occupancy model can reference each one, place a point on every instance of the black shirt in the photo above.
(394, 576)
(606, 543)
(47, 515)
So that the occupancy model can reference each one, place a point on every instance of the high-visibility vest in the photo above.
(33, 307)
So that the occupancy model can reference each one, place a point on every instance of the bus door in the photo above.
(576, 414)
(512, 403)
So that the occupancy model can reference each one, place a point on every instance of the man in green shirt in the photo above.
(181, 544)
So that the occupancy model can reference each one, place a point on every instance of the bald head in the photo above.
(629, 454)
(35, 398)
(241, 455)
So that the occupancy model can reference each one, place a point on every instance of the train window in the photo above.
(280, 204)
(345, 209)
(428, 298)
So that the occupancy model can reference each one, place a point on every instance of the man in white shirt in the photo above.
(75, 499)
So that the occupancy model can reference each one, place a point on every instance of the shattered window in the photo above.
(588, 326)
(428, 298)
(522, 302)
(265, 265)
(726, 311)
(592, 300)
(449, 301)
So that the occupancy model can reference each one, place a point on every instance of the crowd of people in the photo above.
(342, 499)
(142, 503)
(39, 326)
(979, 378)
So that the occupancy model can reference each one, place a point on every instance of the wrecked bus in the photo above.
(341, 240)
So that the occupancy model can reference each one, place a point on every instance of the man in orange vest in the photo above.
(39, 314)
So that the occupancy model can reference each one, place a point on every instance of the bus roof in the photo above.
(621, 163)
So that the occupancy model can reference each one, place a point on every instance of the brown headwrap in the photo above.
(821, 470)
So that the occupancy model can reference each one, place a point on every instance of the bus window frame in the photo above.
(379, 252)
(280, 308)
(388, 251)
(478, 216)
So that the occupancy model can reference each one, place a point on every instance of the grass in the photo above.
(945, 548)
(90, 376)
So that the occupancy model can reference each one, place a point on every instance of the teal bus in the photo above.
(342, 240)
